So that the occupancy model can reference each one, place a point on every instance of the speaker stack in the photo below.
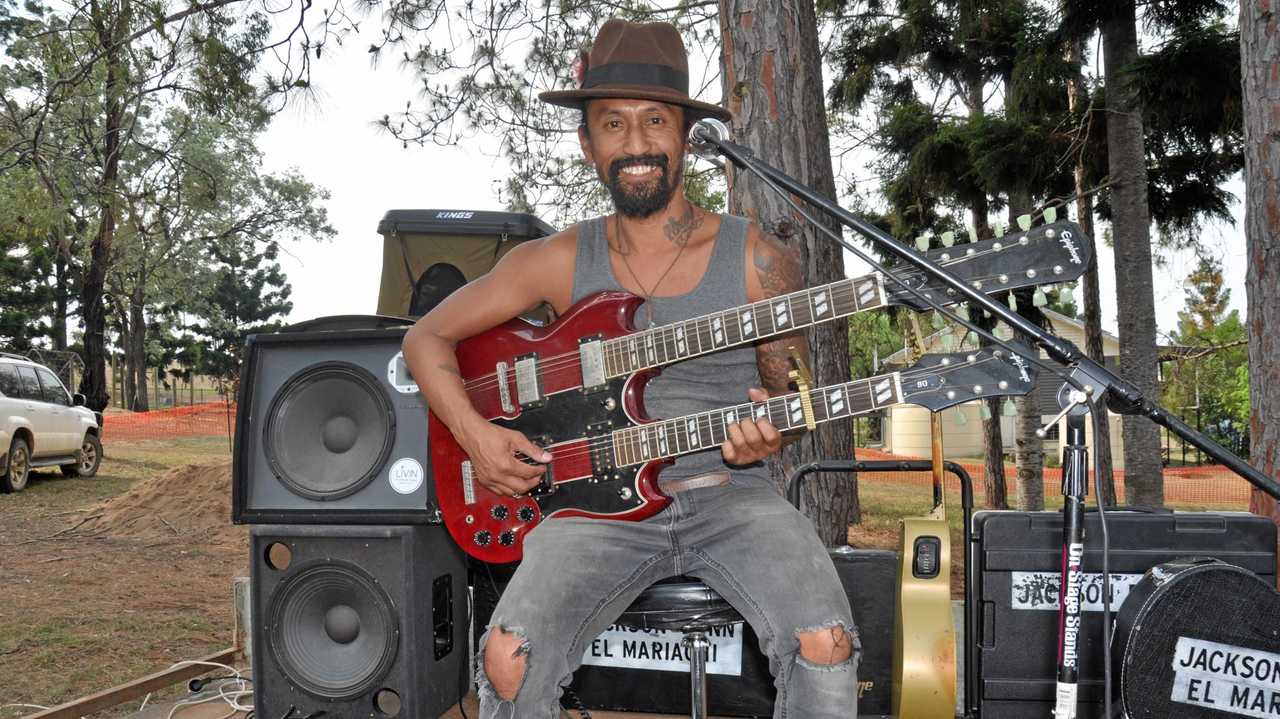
(359, 597)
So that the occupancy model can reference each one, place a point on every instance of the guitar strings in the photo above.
(555, 365)
(583, 446)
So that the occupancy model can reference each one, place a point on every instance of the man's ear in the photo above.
(584, 141)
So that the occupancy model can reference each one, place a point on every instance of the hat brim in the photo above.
(577, 98)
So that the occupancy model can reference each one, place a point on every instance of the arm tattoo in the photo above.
(778, 270)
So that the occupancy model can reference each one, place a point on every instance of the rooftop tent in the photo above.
(426, 254)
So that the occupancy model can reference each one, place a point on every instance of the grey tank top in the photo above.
(698, 384)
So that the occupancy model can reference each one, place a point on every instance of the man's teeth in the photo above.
(638, 169)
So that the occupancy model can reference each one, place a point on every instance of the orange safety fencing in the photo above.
(1207, 485)
(209, 419)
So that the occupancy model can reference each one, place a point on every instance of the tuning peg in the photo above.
(1024, 222)
(1051, 214)
(1013, 302)
(922, 243)
(1039, 299)
(937, 321)
(984, 410)
(948, 342)
(973, 233)
(961, 420)
(948, 238)
(998, 228)
(1008, 409)
(963, 312)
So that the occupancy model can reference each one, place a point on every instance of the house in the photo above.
(905, 429)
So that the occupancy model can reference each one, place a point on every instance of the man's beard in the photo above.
(642, 200)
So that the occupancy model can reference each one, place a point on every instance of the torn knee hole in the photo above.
(825, 645)
(505, 655)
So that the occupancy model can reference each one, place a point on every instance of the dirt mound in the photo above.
(187, 503)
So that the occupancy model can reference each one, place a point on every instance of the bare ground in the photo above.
(108, 579)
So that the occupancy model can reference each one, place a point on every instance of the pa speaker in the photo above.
(331, 429)
(358, 621)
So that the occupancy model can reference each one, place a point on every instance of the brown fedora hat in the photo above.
(640, 61)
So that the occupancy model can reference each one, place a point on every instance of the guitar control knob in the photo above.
(499, 511)
(525, 514)
(482, 538)
(507, 539)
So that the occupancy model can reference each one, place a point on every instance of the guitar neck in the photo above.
(707, 430)
(742, 325)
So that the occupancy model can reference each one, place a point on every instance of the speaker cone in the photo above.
(333, 631)
(329, 430)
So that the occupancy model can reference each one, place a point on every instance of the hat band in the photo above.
(637, 73)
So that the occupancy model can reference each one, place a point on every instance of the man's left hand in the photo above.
(751, 440)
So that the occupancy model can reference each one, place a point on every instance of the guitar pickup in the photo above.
(591, 358)
(528, 383)
(602, 464)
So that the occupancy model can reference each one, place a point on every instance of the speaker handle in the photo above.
(338, 323)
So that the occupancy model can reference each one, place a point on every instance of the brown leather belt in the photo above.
(710, 479)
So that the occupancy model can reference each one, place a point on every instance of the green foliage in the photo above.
(249, 294)
(1212, 385)
(873, 336)
(705, 189)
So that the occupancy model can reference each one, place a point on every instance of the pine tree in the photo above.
(249, 294)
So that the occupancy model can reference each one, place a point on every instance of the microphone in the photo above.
(705, 135)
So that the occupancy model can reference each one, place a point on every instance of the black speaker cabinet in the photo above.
(869, 577)
(331, 429)
(358, 621)
(1012, 593)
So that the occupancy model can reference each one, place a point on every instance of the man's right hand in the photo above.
(494, 464)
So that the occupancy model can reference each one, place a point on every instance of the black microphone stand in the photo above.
(1087, 382)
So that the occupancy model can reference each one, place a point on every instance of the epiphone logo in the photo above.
(469, 215)
(1021, 364)
(1069, 244)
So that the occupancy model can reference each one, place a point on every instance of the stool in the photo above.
(686, 605)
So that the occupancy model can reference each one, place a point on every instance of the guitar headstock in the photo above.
(1056, 252)
(943, 380)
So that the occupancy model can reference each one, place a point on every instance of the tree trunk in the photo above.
(1131, 220)
(59, 299)
(1260, 57)
(1078, 98)
(92, 309)
(138, 350)
(1029, 448)
(994, 488)
(772, 79)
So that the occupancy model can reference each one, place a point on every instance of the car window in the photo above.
(30, 385)
(52, 389)
(9, 381)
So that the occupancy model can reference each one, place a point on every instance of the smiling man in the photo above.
(726, 524)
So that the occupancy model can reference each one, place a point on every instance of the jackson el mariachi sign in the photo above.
(1235, 680)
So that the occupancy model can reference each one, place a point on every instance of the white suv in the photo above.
(42, 425)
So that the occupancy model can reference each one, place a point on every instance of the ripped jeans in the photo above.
(744, 541)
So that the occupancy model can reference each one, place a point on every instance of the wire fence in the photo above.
(1206, 486)
(208, 419)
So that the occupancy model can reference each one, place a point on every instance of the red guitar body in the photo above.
(559, 415)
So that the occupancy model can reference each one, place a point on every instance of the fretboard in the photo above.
(707, 430)
(741, 325)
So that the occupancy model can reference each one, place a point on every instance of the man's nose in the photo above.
(636, 141)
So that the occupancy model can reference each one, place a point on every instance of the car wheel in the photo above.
(15, 477)
(90, 458)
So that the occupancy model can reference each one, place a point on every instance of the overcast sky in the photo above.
(335, 144)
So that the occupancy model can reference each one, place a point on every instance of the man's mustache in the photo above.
(616, 167)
